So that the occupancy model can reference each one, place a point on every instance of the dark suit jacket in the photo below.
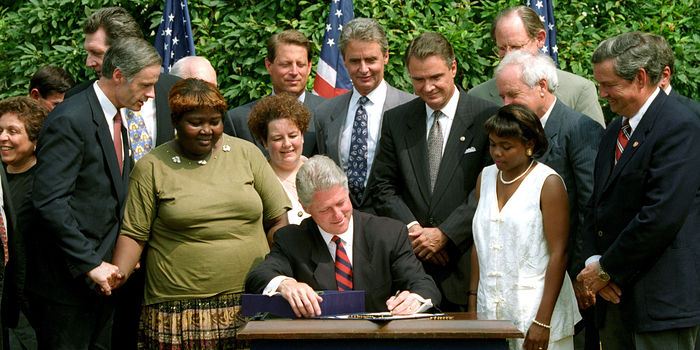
(687, 101)
(164, 126)
(401, 187)
(9, 229)
(644, 217)
(79, 194)
(573, 144)
(383, 261)
(236, 124)
(330, 122)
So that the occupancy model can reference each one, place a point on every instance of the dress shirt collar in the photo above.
(637, 117)
(379, 93)
(544, 118)
(108, 109)
(346, 237)
(300, 98)
(450, 108)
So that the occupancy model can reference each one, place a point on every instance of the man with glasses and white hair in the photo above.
(520, 28)
(344, 249)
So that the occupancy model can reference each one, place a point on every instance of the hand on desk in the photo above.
(428, 244)
(302, 298)
(403, 304)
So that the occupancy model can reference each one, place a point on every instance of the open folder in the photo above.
(334, 303)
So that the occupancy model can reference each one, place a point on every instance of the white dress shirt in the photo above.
(445, 120)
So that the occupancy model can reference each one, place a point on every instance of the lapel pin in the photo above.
(462, 138)
(635, 144)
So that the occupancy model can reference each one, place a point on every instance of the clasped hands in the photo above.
(428, 244)
(305, 301)
(593, 285)
(107, 277)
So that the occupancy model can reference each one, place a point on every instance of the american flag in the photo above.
(174, 37)
(545, 10)
(332, 78)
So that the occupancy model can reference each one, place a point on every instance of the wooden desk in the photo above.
(464, 332)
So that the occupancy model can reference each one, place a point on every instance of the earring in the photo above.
(529, 152)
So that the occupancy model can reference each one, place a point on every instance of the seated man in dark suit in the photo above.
(337, 248)
(665, 62)
(288, 62)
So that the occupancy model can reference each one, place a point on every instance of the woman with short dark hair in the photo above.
(521, 231)
(203, 203)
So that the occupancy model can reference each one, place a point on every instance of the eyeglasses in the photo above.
(503, 50)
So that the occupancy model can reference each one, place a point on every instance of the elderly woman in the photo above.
(203, 204)
(521, 230)
(279, 123)
(20, 122)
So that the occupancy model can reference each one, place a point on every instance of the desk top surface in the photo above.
(463, 326)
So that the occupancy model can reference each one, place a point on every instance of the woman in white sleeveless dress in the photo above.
(279, 123)
(520, 236)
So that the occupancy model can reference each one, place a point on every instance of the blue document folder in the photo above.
(334, 303)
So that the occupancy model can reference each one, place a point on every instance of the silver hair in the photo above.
(319, 173)
(130, 55)
(181, 65)
(363, 29)
(630, 52)
(533, 67)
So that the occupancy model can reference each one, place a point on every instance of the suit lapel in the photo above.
(107, 144)
(324, 272)
(460, 137)
(362, 270)
(335, 127)
(639, 135)
(552, 128)
(417, 146)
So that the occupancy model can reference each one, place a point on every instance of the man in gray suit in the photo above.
(288, 62)
(520, 28)
(365, 52)
(531, 80)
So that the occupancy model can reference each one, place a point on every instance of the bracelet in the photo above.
(471, 292)
(541, 324)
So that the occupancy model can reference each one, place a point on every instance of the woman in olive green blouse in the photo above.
(203, 203)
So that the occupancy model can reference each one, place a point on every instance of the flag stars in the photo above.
(328, 27)
(171, 17)
(338, 13)
(182, 5)
(340, 27)
(331, 42)
(545, 49)
(551, 26)
(539, 4)
(555, 49)
(169, 32)
(175, 40)
(542, 19)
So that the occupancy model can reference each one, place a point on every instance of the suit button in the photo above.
(600, 233)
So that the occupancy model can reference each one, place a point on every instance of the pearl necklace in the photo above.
(500, 174)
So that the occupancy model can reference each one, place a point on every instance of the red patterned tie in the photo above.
(343, 268)
(3, 236)
(117, 138)
(622, 139)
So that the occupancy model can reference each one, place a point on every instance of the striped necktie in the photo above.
(343, 268)
(622, 138)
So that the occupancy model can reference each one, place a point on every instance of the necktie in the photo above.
(343, 268)
(3, 236)
(357, 159)
(117, 138)
(139, 138)
(622, 139)
(434, 148)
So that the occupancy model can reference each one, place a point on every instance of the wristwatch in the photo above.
(602, 274)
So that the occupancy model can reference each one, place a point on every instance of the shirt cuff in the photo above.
(410, 224)
(592, 259)
(271, 288)
(425, 304)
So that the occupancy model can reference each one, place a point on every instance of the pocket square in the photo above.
(470, 150)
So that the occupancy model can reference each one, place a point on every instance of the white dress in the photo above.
(513, 257)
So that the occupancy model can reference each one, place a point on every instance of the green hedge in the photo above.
(232, 35)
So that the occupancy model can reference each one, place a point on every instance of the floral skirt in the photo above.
(209, 323)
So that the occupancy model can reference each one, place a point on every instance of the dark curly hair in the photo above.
(281, 106)
(516, 120)
(30, 111)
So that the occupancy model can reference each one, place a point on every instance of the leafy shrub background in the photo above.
(232, 35)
